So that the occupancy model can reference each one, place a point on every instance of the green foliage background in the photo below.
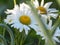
(21, 38)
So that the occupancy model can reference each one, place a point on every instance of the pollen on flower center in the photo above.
(25, 19)
(42, 10)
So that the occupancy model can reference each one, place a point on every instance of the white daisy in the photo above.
(43, 9)
(21, 18)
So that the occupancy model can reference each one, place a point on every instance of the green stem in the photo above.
(17, 34)
(41, 24)
(4, 40)
(49, 42)
(10, 32)
(39, 21)
(58, 1)
(21, 42)
(3, 31)
(56, 24)
(14, 2)
(39, 41)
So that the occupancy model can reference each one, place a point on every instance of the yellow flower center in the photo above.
(25, 20)
(42, 10)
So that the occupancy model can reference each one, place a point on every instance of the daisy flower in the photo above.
(44, 10)
(21, 18)
(45, 13)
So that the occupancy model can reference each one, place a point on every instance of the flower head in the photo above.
(43, 9)
(21, 18)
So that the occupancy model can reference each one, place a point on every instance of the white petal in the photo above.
(52, 10)
(26, 32)
(38, 33)
(42, 3)
(36, 28)
(24, 6)
(14, 25)
(56, 39)
(8, 11)
(21, 28)
(9, 19)
(36, 3)
(54, 15)
(13, 11)
(50, 24)
(57, 32)
(47, 5)
(26, 29)
(16, 10)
